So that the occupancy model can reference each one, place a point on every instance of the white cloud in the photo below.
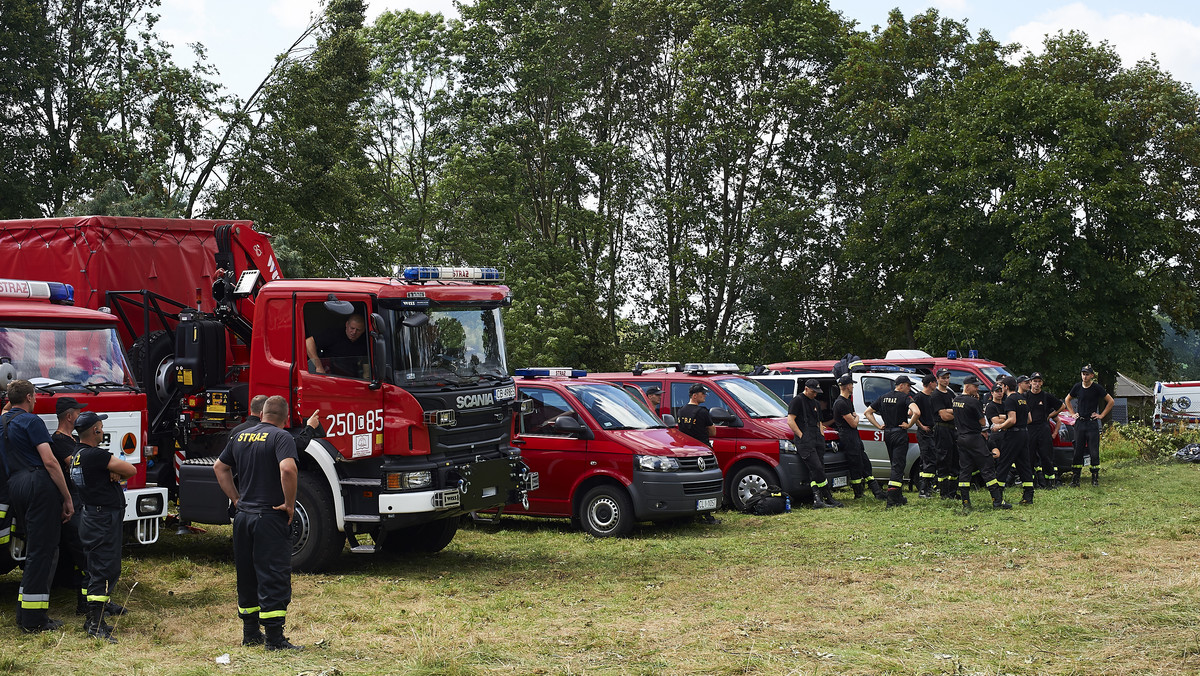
(1135, 37)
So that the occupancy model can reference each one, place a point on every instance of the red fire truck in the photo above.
(74, 352)
(418, 420)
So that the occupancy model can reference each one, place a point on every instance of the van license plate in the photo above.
(706, 503)
(839, 482)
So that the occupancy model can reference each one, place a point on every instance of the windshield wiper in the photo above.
(95, 387)
(46, 388)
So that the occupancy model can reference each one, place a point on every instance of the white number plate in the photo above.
(839, 481)
(706, 503)
(503, 393)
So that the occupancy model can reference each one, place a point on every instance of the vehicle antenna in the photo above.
(331, 256)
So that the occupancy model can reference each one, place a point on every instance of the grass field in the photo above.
(1086, 581)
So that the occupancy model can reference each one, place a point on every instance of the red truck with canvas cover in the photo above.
(418, 432)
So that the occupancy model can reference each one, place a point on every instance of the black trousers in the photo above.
(101, 531)
(37, 506)
(929, 454)
(70, 547)
(856, 456)
(1087, 441)
(945, 440)
(262, 556)
(813, 458)
(1014, 452)
(896, 440)
(974, 455)
(1041, 448)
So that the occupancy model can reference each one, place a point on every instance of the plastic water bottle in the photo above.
(787, 502)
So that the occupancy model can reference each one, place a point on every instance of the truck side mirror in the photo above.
(722, 416)
(669, 420)
(569, 425)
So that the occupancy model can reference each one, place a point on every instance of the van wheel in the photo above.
(747, 481)
(316, 541)
(606, 511)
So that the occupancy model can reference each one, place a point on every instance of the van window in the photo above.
(784, 388)
(548, 406)
(874, 387)
(644, 385)
(680, 397)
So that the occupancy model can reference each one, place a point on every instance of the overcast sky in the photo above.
(243, 36)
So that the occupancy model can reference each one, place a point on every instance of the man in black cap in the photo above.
(943, 434)
(928, 474)
(845, 423)
(693, 419)
(63, 444)
(1014, 450)
(804, 417)
(1087, 395)
(1043, 423)
(899, 412)
(97, 473)
(974, 456)
(654, 396)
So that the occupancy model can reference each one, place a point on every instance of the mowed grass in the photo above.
(1086, 581)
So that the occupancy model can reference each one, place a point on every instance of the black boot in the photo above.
(1075, 478)
(94, 625)
(1095, 476)
(251, 634)
(81, 604)
(828, 495)
(818, 503)
(998, 498)
(894, 497)
(858, 490)
(1027, 496)
(277, 641)
(1051, 482)
(964, 494)
(923, 490)
(876, 489)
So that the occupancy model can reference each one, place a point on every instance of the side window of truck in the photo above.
(548, 406)
(680, 397)
(874, 387)
(336, 345)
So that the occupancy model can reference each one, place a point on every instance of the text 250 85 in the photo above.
(347, 424)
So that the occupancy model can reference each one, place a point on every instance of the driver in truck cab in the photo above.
(345, 352)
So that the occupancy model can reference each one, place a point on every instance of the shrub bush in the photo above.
(1144, 443)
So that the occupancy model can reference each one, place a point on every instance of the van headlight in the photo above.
(656, 463)
(786, 446)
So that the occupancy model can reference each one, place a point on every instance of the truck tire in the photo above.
(427, 538)
(606, 511)
(160, 379)
(316, 541)
(747, 480)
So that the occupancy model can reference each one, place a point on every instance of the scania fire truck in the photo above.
(417, 414)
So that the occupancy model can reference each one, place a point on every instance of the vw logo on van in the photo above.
(1183, 403)
(700, 464)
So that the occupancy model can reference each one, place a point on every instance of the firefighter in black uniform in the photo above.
(928, 476)
(1043, 423)
(804, 417)
(63, 444)
(973, 454)
(993, 412)
(38, 499)
(845, 423)
(1087, 395)
(944, 435)
(1014, 450)
(694, 419)
(899, 412)
(264, 457)
(96, 473)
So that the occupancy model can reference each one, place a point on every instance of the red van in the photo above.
(753, 442)
(603, 459)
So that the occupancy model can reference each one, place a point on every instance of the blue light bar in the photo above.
(448, 274)
(62, 293)
(558, 372)
(951, 354)
(972, 354)
(55, 292)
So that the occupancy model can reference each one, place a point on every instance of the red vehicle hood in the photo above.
(665, 441)
(770, 427)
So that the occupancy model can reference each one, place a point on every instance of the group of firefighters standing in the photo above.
(961, 437)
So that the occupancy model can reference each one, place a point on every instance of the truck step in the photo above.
(362, 518)
(362, 549)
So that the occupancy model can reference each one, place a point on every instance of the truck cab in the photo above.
(603, 459)
(753, 442)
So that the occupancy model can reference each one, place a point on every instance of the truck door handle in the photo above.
(518, 442)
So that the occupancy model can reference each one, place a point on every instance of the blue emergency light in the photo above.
(559, 372)
(449, 274)
(55, 292)
(972, 354)
(951, 354)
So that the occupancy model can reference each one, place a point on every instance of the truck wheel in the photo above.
(159, 381)
(748, 480)
(606, 511)
(316, 541)
(427, 538)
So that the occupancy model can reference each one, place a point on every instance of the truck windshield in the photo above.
(613, 408)
(50, 357)
(753, 397)
(458, 345)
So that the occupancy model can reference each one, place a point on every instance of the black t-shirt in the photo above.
(1041, 405)
(842, 407)
(694, 421)
(993, 409)
(251, 421)
(893, 408)
(1087, 399)
(63, 446)
(967, 412)
(255, 455)
(1016, 403)
(96, 487)
(942, 400)
(345, 357)
(925, 403)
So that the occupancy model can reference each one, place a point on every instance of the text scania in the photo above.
(475, 400)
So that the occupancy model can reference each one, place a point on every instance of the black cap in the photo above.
(903, 380)
(1036, 376)
(87, 419)
(812, 384)
(697, 388)
(942, 372)
(67, 403)
(653, 390)
(971, 380)
(1087, 368)
(1022, 379)
(1007, 381)
(846, 379)
(928, 379)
